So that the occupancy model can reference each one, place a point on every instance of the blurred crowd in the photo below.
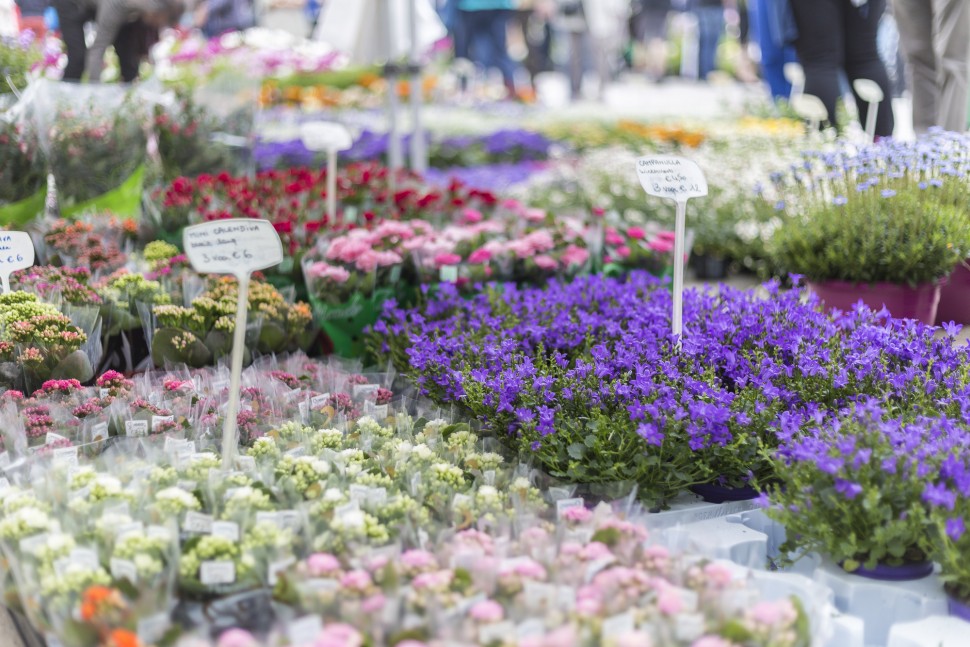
(836, 42)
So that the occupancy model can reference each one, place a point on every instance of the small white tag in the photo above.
(319, 401)
(342, 511)
(288, 519)
(461, 500)
(325, 136)
(567, 504)
(136, 428)
(52, 438)
(104, 393)
(268, 517)
(99, 431)
(158, 421)
(214, 573)
(305, 630)
(377, 411)
(246, 463)
(152, 629)
(449, 274)
(226, 529)
(85, 558)
(296, 452)
(124, 569)
(530, 629)
(618, 625)
(277, 567)
(65, 456)
(197, 522)
(377, 496)
(304, 408)
(364, 390)
(359, 493)
(495, 632)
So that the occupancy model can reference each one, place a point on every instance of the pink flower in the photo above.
(578, 514)
(357, 580)
(471, 216)
(544, 262)
(634, 639)
(595, 550)
(666, 235)
(446, 259)
(661, 245)
(480, 256)
(563, 637)
(611, 237)
(623, 252)
(339, 635)
(237, 638)
(418, 559)
(320, 564)
(377, 563)
(329, 272)
(773, 613)
(412, 643)
(373, 604)
(636, 233)
(718, 574)
(669, 602)
(487, 611)
(712, 641)
(574, 255)
(434, 580)
(534, 215)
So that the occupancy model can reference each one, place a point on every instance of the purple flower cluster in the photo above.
(587, 377)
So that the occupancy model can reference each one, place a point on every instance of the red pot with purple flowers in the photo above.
(901, 300)
(955, 296)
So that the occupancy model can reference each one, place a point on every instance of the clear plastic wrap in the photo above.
(94, 138)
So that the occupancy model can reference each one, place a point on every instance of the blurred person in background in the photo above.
(935, 37)
(32, 15)
(130, 26)
(840, 35)
(650, 32)
(710, 28)
(533, 18)
(483, 30)
(774, 25)
(217, 17)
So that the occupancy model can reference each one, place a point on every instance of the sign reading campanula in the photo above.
(238, 246)
(671, 177)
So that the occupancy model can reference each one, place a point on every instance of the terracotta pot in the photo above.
(902, 301)
(955, 297)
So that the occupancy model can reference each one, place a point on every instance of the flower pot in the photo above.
(958, 608)
(902, 301)
(955, 297)
(713, 493)
(901, 573)
(709, 268)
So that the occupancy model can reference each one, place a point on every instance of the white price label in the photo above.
(305, 630)
(104, 393)
(277, 567)
(359, 493)
(226, 529)
(319, 401)
(85, 558)
(124, 569)
(65, 456)
(237, 246)
(365, 390)
(152, 629)
(16, 253)
(213, 573)
(99, 431)
(377, 411)
(342, 511)
(325, 136)
(618, 625)
(449, 274)
(197, 522)
(671, 177)
(136, 428)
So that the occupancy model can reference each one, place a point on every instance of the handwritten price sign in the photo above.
(671, 177)
(16, 253)
(238, 246)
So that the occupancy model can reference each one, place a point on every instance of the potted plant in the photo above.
(853, 488)
(881, 226)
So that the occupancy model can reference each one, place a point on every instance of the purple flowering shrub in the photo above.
(893, 212)
(585, 380)
(859, 486)
(949, 498)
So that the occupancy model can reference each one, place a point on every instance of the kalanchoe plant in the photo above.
(858, 487)
(53, 284)
(21, 164)
(199, 334)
